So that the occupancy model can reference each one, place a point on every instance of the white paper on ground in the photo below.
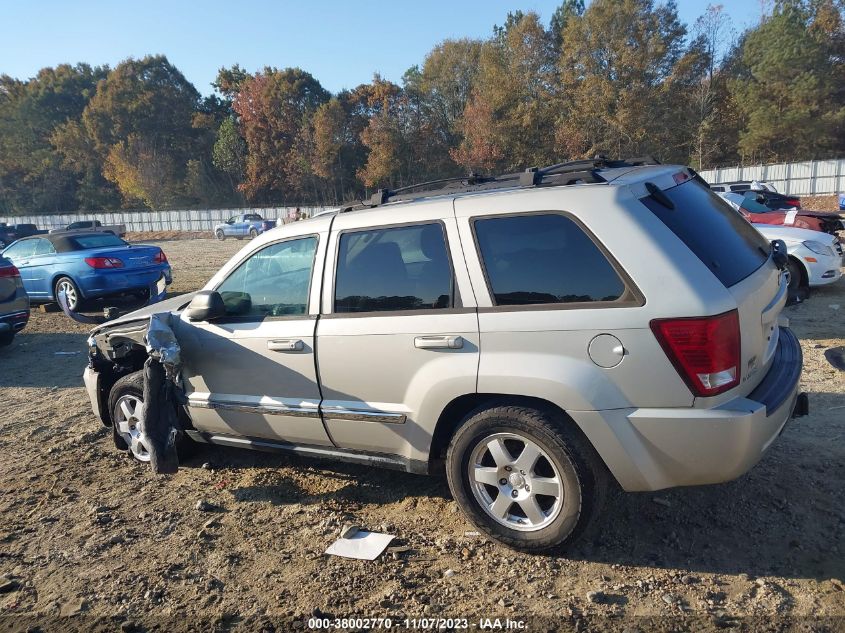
(363, 545)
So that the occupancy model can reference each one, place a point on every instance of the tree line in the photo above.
(620, 78)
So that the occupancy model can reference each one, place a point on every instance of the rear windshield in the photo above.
(103, 240)
(721, 238)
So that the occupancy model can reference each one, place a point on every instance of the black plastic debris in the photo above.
(161, 425)
(836, 357)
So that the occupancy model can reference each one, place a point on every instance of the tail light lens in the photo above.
(104, 262)
(704, 350)
(160, 257)
(7, 272)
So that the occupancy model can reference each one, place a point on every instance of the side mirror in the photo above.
(779, 255)
(761, 198)
(206, 305)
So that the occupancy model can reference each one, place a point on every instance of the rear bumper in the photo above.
(650, 449)
(116, 282)
(13, 321)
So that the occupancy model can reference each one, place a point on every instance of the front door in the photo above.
(398, 339)
(252, 373)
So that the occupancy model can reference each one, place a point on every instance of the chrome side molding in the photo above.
(363, 415)
(261, 409)
(329, 413)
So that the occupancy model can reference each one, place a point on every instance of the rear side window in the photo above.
(43, 247)
(537, 259)
(719, 236)
(391, 269)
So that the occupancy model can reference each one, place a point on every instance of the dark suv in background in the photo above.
(10, 233)
(14, 303)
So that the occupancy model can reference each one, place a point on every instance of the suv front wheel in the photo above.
(525, 478)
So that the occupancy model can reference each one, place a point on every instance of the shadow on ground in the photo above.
(784, 518)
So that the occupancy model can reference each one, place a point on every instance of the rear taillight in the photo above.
(9, 271)
(160, 258)
(793, 202)
(104, 262)
(704, 350)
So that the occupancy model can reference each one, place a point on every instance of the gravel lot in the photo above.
(90, 539)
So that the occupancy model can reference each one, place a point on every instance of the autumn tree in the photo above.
(792, 98)
(140, 122)
(272, 107)
(508, 121)
(614, 60)
(385, 105)
(33, 175)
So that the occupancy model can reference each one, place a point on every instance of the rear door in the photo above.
(398, 337)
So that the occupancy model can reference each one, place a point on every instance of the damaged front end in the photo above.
(147, 343)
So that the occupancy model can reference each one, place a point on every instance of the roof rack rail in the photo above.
(566, 173)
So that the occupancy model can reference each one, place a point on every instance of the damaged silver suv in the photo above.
(541, 335)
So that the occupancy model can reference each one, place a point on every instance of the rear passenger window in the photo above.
(537, 259)
(403, 268)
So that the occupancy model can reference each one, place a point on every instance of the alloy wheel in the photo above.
(128, 414)
(68, 288)
(515, 482)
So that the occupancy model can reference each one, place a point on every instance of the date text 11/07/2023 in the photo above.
(482, 624)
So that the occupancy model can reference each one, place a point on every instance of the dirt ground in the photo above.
(90, 539)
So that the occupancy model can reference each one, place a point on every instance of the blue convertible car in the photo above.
(86, 266)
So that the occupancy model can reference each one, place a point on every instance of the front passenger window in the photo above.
(271, 282)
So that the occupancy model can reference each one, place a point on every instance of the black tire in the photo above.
(584, 477)
(73, 305)
(220, 234)
(133, 385)
(6, 339)
(797, 289)
(253, 234)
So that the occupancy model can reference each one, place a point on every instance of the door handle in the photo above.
(286, 345)
(445, 341)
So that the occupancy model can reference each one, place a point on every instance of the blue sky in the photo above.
(341, 43)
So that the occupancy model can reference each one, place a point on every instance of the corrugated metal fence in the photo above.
(810, 178)
(179, 220)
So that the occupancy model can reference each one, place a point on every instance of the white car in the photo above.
(815, 258)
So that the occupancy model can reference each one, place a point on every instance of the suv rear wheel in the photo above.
(525, 478)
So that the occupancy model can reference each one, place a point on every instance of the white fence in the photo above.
(815, 177)
(184, 220)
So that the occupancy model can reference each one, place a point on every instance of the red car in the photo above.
(758, 213)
